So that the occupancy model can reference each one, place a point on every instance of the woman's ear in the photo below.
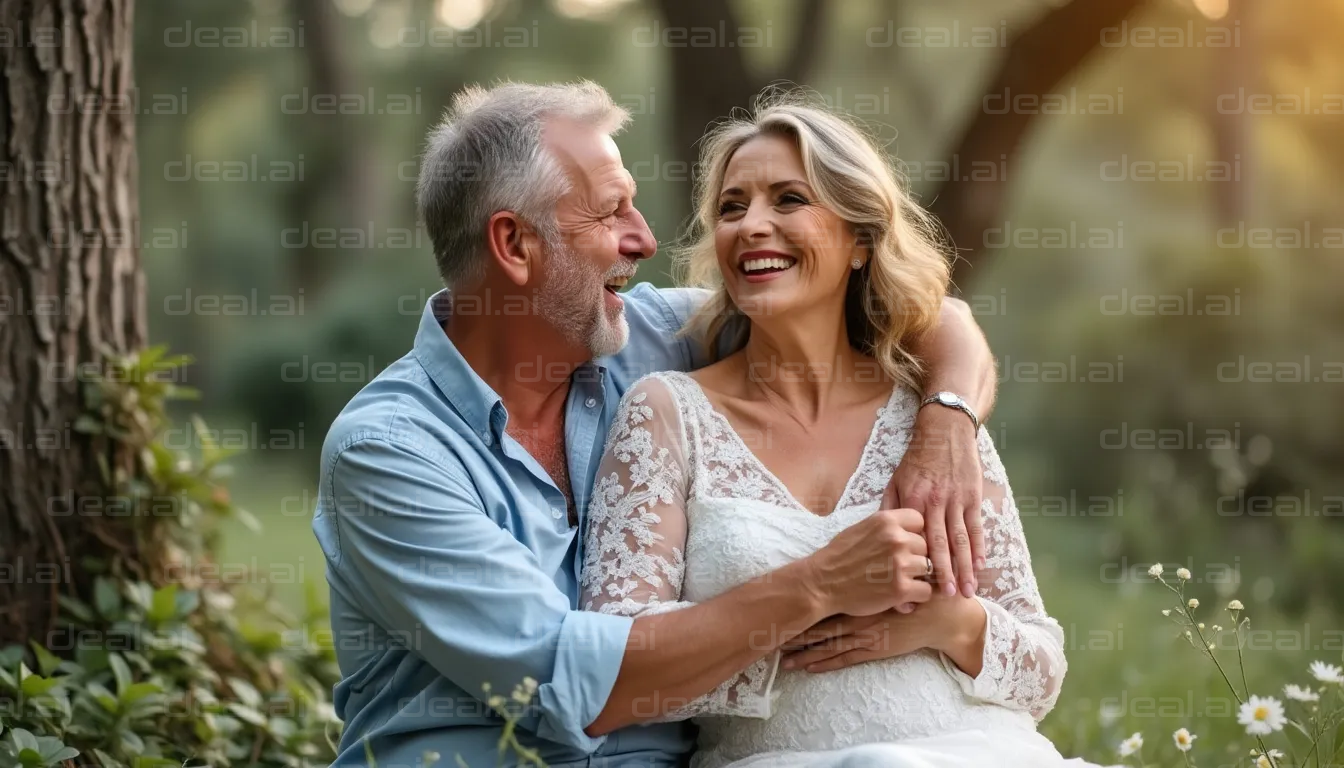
(513, 246)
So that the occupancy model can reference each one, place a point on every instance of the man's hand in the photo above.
(940, 476)
(952, 625)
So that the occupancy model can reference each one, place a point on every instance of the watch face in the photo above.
(947, 398)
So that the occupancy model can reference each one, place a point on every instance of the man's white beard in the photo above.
(572, 300)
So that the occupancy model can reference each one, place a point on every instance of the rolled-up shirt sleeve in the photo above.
(431, 564)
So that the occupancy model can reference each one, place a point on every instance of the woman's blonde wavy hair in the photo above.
(897, 295)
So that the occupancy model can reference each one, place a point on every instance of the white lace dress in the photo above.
(682, 511)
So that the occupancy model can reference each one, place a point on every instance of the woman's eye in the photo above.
(792, 198)
(729, 208)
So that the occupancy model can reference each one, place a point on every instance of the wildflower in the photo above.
(1297, 693)
(1166, 611)
(1262, 715)
(530, 684)
(1263, 761)
(1184, 739)
(1156, 573)
(1183, 574)
(1200, 625)
(1327, 673)
(1193, 603)
(1131, 745)
(1217, 628)
(1235, 605)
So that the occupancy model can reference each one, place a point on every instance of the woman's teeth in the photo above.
(762, 265)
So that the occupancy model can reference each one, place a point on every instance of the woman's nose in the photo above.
(757, 222)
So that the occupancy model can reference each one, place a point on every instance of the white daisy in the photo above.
(1132, 744)
(1262, 715)
(1297, 693)
(1184, 739)
(1327, 673)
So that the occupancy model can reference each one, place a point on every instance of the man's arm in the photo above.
(940, 474)
(957, 358)
(430, 566)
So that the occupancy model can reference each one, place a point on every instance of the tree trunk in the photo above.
(1036, 62)
(71, 288)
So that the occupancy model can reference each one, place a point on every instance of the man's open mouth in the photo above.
(616, 283)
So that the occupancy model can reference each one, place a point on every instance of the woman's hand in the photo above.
(953, 625)
(940, 477)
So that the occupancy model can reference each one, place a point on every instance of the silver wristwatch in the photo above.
(953, 400)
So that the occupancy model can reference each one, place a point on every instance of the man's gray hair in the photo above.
(487, 156)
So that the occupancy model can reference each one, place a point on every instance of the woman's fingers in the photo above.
(847, 659)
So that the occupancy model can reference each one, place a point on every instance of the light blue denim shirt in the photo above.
(452, 563)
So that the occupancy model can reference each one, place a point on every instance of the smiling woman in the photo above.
(800, 203)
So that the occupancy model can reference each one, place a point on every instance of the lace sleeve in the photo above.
(1024, 648)
(634, 548)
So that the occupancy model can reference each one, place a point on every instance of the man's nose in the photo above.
(638, 242)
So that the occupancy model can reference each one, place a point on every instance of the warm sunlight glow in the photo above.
(1212, 9)
(586, 9)
(354, 7)
(462, 14)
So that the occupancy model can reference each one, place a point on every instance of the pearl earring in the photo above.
(857, 264)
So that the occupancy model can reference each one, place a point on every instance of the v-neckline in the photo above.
(780, 486)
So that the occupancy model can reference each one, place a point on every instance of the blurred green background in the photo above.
(1156, 257)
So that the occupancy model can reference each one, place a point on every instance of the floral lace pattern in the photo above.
(683, 511)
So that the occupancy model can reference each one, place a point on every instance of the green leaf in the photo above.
(121, 671)
(47, 662)
(76, 608)
(137, 691)
(106, 598)
(23, 739)
(31, 758)
(145, 761)
(34, 686)
(163, 606)
(247, 714)
(62, 754)
(245, 692)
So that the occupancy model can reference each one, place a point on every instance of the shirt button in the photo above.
(590, 402)
(556, 513)
(488, 438)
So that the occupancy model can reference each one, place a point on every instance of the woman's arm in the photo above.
(634, 551)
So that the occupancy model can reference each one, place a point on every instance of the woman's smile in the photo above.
(763, 266)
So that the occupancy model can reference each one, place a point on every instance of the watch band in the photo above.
(955, 401)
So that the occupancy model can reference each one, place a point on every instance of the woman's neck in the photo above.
(802, 368)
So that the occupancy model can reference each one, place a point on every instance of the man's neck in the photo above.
(522, 358)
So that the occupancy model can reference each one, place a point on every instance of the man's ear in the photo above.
(513, 246)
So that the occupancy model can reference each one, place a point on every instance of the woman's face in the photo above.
(778, 247)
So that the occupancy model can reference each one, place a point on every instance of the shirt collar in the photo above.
(467, 392)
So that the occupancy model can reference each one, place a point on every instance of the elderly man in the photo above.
(454, 485)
